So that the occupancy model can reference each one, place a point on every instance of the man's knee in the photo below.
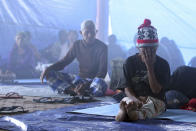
(98, 87)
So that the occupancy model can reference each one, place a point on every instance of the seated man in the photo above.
(23, 57)
(92, 57)
(147, 75)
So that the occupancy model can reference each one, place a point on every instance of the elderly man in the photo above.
(91, 54)
(147, 75)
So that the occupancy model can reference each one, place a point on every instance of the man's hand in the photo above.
(149, 57)
(80, 89)
(44, 74)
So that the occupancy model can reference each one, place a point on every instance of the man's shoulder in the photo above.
(100, 44)
(132, 57)
(77, 42)
(161, 60)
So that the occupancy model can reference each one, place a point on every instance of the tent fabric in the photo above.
(59, 119)
(42, 18)
(174, 19)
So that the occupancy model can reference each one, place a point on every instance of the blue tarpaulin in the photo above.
(60, 120)
(172, 114)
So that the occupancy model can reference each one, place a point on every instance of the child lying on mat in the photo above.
(146, 77)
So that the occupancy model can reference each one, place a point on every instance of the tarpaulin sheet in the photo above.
(112, 110)
(43, 18)
(59, 120)
(29, 81)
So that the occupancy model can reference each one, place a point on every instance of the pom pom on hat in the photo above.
(147, 35)
(146, 23)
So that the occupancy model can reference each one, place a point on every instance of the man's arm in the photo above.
(102, 70)
(127, 71)
(149, 59)
(154, 84)
(70, 56)
(62, 63)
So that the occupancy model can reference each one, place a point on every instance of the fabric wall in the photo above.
(43, 18)
(174, 19)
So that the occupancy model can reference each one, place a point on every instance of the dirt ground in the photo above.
(28, 104)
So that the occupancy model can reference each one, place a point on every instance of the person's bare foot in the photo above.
(132, 110)
(131, 106)
(122, 112)
(133, 115)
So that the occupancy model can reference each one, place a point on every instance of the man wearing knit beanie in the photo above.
(146, 77)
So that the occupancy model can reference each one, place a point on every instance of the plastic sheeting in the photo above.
(171, 114)
(59, 120)
(43, 18)
(174, 19)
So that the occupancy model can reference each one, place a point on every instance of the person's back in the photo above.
(184, 80)
(192, 62)
(182, 87)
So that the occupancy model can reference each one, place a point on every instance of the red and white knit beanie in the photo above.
(147, 35)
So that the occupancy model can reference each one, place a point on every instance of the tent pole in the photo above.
(102, 19)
